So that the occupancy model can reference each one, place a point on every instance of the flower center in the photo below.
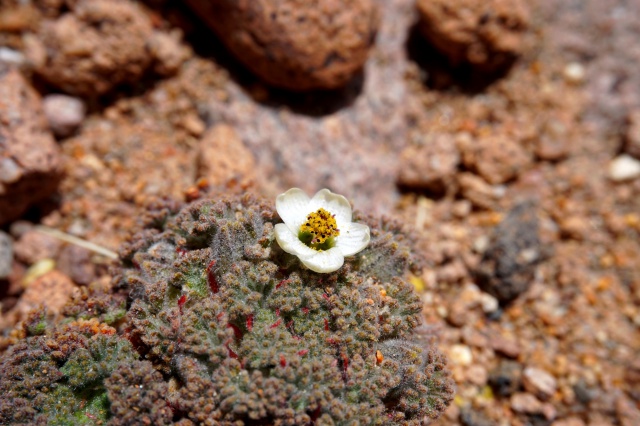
(319, 230)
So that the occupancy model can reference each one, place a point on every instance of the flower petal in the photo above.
(333, 203)
(324, 261)
(290, 243)
(293, 208)
(353, 239)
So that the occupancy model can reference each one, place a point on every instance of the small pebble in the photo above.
(11, 57)
(507, 347)
(489, 303)
(10, 171)
(574, 73)
(64, 113)
(18, 228)
(76, 263)
(525, 403)
(475, 338)
(569, 421)
(461, 355)
(624, 167)
(471, 417)
(6, 255)
(442, 311)
(458, 314)
(37, 270)
(506, 378)
(477, 375)
(539, 382)
(34, 246)
(461, 208)
(481, 244)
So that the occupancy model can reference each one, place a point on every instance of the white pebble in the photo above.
(481, 244)
(574, 73)
(65, 113)
(10, 171)
(11, 57)
(461, 355)
(489, 303)
(624, 167)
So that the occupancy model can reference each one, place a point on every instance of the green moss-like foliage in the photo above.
(254, 337)
(89, 303)
(219, 326)
(137, 395)
(58, 378)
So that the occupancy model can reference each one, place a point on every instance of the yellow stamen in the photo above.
(319, 230)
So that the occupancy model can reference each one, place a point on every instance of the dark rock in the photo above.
(506, 378)
(6, 255)
(583, 392)
(508, 265)
(472, 417)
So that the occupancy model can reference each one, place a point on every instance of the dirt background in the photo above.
(515, 165)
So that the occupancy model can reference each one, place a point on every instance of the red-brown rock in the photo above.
(30, 164)
(76, 263)
(223, 159)
(477, 190)
(295, 44)
(497, 159)
(52, 291)
(33, 246)
(486, 34)
(431, 165)
(94, 47)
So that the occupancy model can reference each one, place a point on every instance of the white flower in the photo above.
(318, 230)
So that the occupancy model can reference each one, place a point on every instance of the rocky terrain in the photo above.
(504, 133)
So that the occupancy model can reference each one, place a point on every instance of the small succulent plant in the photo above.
(224, 326)
(71, 376)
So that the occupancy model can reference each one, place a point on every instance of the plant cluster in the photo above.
(224, 327)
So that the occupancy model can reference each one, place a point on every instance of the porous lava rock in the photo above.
(486, 34)
(96, 46)
(30, 163)
(51, 291)
(431, 165)
(497, 158)
(295, 44)
(223, 158)
(508, 265)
